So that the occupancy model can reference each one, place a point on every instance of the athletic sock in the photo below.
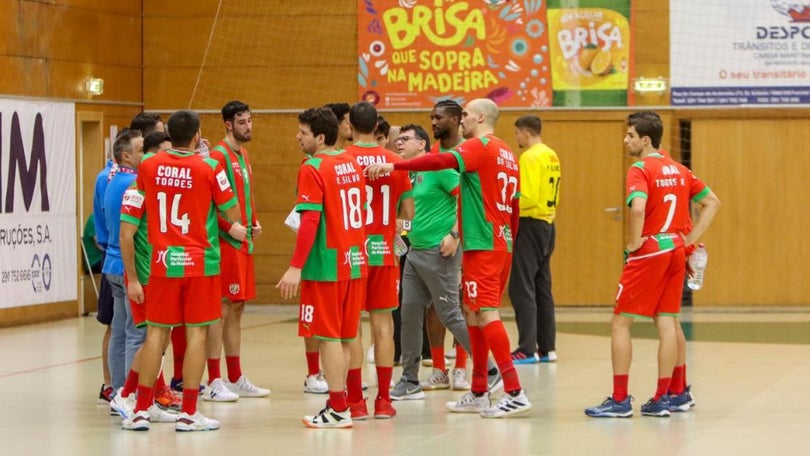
(234, 368)
(461, 357)
(677, 386)
(337, 400)
(190, 400)
(663, 387)
(498, 341)
(131, 385)
(384, 375)
(213, 370)
(620, 387)
(313, 363)
(145, 399)
(480, 354)
(354, 386)
(437, 354)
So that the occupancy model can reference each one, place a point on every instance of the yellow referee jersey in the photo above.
(539, 183)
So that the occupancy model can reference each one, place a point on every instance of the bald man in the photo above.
(490, 191)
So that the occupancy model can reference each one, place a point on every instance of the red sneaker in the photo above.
(359, 410)
(105, 395)
(168, 400)
(383, 410)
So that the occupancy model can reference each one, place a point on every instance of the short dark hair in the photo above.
(647, 123)
(123, 143)
(145, 122)
(532, 124)
(152, 141)
(451, 106)
(419, 132)
(339, 109)
(363, 117)
(232, 108)
(322, 121)
(183, 125)
(383, 127)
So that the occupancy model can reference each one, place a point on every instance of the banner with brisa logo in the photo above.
(415, 53)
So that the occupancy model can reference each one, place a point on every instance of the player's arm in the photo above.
(709, 204)
(428, 162)
(450, 241)
(305, 239)
(127, 242)
(232, 217)
(638, 206)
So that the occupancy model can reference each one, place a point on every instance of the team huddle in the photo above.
(186, 224)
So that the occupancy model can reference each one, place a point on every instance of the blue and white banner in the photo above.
(740, 52)
(37, 202)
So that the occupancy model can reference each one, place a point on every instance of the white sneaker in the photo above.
(508, 405)
(469, 403)
(370, 355)
(460, 382)
(437, 380)
(139, 421)
(216, 391)
(158, 415)
(123, 406)
(329, 418)
(244, 388)
(196, 422)
(316, 384)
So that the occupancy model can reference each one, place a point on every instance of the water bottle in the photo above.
(202, 148)
(697, 262)
(400, 247)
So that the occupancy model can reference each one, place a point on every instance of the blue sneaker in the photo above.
(659, 408)
(519, 357)
(612, 409)
(681, 402)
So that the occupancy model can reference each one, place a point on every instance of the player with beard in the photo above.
(238, 278)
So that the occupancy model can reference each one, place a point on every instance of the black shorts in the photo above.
(105, 302)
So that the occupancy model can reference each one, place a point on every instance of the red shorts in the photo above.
(484, 277)
(652, 285)
(382, 289)
(193, 301)
(331, 310)
(237, 275)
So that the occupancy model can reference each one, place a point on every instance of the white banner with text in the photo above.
(740, 52)
(37, 202)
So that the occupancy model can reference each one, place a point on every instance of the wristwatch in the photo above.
(454, 233)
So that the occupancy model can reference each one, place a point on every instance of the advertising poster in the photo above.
(37, 203)
(741, 52)
(590, 51)
(414, 53)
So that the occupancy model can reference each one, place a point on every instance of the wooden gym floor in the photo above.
(749, 369)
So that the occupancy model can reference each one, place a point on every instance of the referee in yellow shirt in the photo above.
(530, 284)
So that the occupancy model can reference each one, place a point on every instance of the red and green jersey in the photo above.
(240, 176)
(490, 181)
(332, 184)
(383, 197)
(179, 196)
(132, 212)
(668, 187)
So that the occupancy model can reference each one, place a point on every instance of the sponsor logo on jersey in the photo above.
(133, 198)
(222, 180)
